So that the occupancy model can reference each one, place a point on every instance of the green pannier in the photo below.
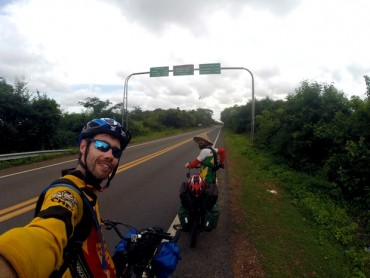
(211, 218)
(184, 217)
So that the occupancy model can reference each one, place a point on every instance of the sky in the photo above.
(74, 49)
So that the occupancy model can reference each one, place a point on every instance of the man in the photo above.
(209, 164)
(207, 159)
(68, 213)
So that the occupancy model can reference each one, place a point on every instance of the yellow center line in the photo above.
(17, 206)
(17, 212)
(148, 157)
(23, 207)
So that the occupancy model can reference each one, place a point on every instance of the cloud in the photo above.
(192, 14)
(73, 49)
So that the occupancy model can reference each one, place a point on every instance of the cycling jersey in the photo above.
(36, 250)
(206, 159)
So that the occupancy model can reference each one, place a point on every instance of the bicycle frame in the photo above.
(197, 211)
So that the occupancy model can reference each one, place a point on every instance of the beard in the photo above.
(100, 169)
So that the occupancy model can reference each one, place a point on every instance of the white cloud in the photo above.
(73, 49)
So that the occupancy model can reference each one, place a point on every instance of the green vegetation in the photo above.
(298, 231)
(33, 122)
(319, 132)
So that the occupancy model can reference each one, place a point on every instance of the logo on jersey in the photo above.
(65, 198)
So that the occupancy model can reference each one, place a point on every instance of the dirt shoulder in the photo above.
(246, 259)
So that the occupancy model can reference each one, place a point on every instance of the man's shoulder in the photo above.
(62, 191)
(205, 152)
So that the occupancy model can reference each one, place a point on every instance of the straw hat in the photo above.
(203, 138)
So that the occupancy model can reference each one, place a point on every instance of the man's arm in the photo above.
(6, 270)
(221, 152)
(36, 249)
(193, 164)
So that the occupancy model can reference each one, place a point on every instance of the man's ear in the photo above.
(83, 145)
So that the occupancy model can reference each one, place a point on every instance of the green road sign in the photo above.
(210, 68)
(183, 70)
(159, 71)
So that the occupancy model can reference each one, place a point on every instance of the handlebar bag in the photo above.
(120, 257)
(166, 259)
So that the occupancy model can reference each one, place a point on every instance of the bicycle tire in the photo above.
(195, 230)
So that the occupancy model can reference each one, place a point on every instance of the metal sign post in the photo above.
(180, 70)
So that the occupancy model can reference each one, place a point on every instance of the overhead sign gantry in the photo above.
(181, 70)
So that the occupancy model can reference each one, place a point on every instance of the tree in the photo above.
(96, 105)
(171, 118)
(367, 81)
(267, 124)
(308, 113)
(204, 116)
(115, 110)
(14, 113)
(70, 126)
(234, 118)
(137, 114)
(20, 89)
(43, 123)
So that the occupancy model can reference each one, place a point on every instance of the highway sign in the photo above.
(159, 71)
(183, 70)
(214, 68)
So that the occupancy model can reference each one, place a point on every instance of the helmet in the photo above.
(196, 184)
(105, 126)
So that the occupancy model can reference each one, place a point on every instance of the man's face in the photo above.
(100, 163)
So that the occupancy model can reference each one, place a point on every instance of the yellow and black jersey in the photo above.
(36, 250)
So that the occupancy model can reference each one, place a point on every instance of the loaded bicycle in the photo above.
(198, 211)
(149, 252)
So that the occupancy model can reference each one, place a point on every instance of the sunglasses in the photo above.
(104, 147)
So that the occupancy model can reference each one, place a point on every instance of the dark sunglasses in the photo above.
(104, 147)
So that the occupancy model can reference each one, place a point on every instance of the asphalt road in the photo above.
(144, 193)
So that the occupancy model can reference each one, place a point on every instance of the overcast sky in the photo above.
(74, 49)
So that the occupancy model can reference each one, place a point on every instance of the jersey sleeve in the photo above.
(36, 249)
(221, 152)
(193, 164)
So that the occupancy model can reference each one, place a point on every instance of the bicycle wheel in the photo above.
(195, 230)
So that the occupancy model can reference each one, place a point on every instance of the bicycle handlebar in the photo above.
(189, 170)
(161, 235)
(147, 231)
(113, 224)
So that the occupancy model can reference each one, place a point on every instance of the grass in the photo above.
(160, 134)
(298, 233)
